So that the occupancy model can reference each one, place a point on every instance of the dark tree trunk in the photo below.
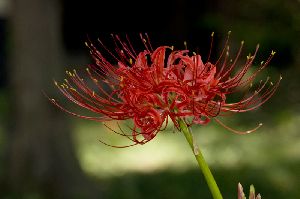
(41, 158)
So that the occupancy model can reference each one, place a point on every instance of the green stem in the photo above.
(214, 189)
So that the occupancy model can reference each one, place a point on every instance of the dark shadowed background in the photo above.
(47, 154)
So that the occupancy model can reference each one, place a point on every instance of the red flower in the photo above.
(156, 84)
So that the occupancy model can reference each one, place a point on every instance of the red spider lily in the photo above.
(156, 84)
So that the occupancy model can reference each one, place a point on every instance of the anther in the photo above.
(249, 56)
(185, 44)
(273, 53)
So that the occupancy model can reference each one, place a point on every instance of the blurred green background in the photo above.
(47, 154)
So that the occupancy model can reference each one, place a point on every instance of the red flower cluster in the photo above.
(156, 84)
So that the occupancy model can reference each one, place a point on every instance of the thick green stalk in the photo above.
(214, 189)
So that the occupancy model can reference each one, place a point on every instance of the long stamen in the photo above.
(211, 45)
(237, 131)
